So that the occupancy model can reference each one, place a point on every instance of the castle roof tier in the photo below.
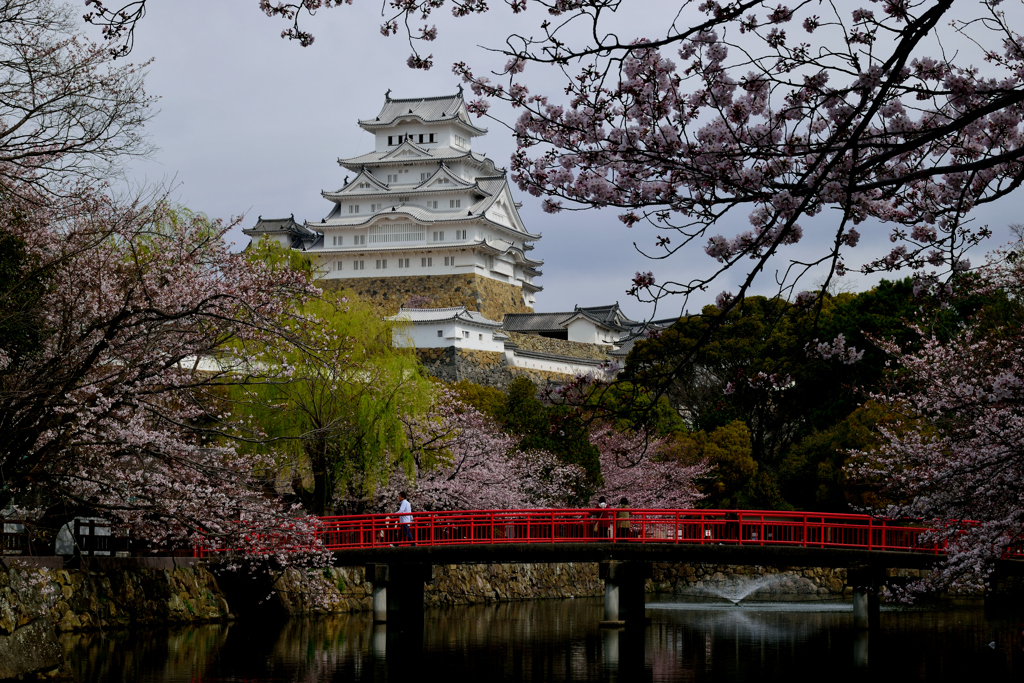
(447, 109)
(286, 231)
(423, 203)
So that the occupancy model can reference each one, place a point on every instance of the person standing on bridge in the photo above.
(622, 523)
(603, 520)
(404, 517)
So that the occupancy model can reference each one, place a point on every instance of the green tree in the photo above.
(333, 413)
(488, 400)
(791, 371)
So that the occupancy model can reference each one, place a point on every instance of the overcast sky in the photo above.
(250, 124)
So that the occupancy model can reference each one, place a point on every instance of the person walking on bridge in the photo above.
(404, 517)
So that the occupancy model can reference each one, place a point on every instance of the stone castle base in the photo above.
(477, 293)
(488, 368)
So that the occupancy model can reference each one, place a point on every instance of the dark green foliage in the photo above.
(488, 400)
(758, 366)
(560, 430)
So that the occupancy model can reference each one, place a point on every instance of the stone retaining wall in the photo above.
(343, 589)
(487, 368)
(491, 298)
(37, 602)
(711, 579)
(559, 347)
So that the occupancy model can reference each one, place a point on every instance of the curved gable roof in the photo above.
(443, 109)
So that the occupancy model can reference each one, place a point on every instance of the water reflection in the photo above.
(561, 641)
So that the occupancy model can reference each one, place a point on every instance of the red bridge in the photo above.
(598, 526)
(400, 553)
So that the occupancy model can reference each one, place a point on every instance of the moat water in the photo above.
(560, 640)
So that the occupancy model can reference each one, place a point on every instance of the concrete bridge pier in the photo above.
(398, 592)
(865, 582)
(623, 591)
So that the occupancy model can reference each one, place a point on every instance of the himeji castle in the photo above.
(423, 216)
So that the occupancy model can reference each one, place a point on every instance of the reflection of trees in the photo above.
(531, 640)
(128, 655)
(549, 640)
(329, 648)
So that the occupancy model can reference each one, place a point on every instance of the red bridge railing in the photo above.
(739, 527)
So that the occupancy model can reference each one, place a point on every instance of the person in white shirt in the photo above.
(404, 517)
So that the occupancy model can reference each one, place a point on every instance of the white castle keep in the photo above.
(422, 203)
(428, 229)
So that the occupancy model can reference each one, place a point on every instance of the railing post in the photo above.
(870, 534)
(552, 526)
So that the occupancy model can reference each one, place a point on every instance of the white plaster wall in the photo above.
(584, 331)
(423, 335)
(563, 367)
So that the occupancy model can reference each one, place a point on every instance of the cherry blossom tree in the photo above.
(462, 460)
(121, 318)
(634, 466)
(66, 111)
(956, 458)
(108, 394)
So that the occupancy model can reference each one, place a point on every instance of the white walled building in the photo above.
(423, 203)
(438, 328)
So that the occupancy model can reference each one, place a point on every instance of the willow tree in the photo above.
(331, 409)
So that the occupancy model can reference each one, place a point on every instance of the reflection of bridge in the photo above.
(400, 558)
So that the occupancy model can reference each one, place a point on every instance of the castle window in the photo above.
(481, 337)
(396, 232)
(465, 334)
(392, 177)
(403, 263)
(431, 137)
(358, 239)
(382, 264)
(449, 260)
(460, 234)
(390, 143)
(353, 208)
(426, 262)
(440, 333)
(421, 138)
(375, 207)
(439, 235)
(359, 265)
(424, 176)
(454, 203)
(460, 141)
(432, 204)
(338, 267)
